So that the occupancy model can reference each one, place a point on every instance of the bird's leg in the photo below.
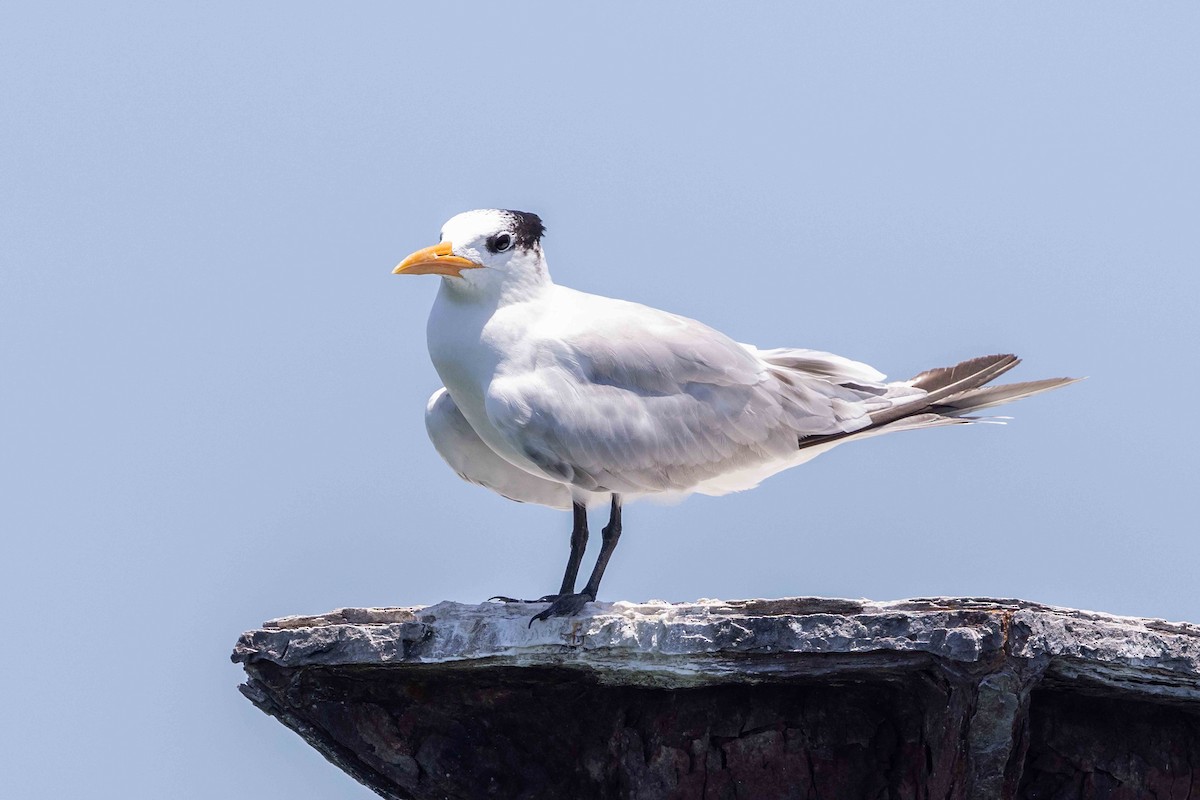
(579, 540)
(568, 605)
(611, 534)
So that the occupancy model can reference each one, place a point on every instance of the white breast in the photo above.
(471, 344)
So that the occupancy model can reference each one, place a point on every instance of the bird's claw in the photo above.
(563, 605)
(546, 598)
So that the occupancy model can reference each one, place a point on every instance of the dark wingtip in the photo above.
(933, 379)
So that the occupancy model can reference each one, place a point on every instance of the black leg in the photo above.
(579, 539)
(612, 534)
(568, 604)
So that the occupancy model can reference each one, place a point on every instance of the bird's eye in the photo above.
(500, 243)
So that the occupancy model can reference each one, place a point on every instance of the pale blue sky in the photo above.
(213, 387)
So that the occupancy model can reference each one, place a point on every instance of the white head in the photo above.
(490, 248)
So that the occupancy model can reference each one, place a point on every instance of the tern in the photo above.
(570, 400)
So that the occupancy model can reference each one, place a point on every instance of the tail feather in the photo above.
(940, 384)
(926, 420)
(933, 380)
(989, 396)
(950, 392)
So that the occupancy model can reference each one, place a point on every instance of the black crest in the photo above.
(527, 228)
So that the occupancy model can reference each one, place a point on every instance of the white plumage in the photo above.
(559, 397)
(460, 446)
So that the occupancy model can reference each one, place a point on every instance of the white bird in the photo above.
(566, 399)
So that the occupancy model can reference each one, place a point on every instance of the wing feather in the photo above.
(640, 400)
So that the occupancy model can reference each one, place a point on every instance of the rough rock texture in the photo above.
(793, 698)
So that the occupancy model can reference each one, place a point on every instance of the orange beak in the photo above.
(436, 260)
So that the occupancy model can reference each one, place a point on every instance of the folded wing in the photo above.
(643, 401)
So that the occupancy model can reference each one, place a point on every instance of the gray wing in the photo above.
(621, 397)
(475, 462)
